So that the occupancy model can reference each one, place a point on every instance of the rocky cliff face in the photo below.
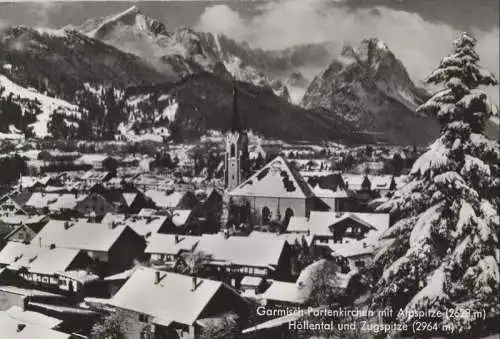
(371, 88)
(184, 51)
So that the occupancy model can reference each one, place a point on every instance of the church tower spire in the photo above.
(236, 158)
(235, 122)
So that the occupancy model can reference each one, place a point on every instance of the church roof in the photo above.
(276, 179)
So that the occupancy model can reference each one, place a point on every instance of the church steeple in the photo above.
(236, 163)
(235, 119)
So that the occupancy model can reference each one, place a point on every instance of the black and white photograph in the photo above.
(249, 169)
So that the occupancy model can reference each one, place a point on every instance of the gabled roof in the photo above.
(276, 179)
(163, 199)
(171, 244)
(142, 225)
(285, 292)
(32, 317)
(319, 222)
(79, 235)
(173, 299)
(129, 198)
(42, 200)
(180, 217)
(290, 238)
(245, 251)
(328, 193)
(66, 202)
(15, 329)
(37, 259)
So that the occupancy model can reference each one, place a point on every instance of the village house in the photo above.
(231, 258)
(333, 227)
(165, 249)
(338, 234)
(94, 205)
(112, 247)
(158, 304)
(126, 198)
(21, 228)
(43, 267)
(13, 203)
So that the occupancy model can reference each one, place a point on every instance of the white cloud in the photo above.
(419, 44)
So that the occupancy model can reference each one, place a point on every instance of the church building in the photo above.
(274, 193)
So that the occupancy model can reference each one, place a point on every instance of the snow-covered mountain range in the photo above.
(370, 87)
(363, 94)
(184, 51)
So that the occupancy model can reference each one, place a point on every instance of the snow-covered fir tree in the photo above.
(443, 253)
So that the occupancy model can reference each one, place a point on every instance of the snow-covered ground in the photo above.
(47, 104)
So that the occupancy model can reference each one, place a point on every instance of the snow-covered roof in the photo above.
(142, 225)
(245, 251)
(91, 158)
(171, 243)
(165, 200)
(285, 292)
(37, 259)
(180, 217)
(142, 293)
(328, 193)
(41, 200)
(319, 222)
(32, 317)
(251, 281)
(14, 328)
(66, 202)
(122, 275)
(290, 238)
(276, 179)
(18, 219)
(129, 198)
(79, 235)
(352, 249)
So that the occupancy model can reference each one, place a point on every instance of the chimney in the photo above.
(364, 245)
(194, 280)
(40, 242)
(20, 327)
(176, 239)
(157, 277)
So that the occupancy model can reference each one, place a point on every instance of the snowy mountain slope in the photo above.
(371, 88)
(203, 102)
(46, 104)
(184, 50)
(60, 62)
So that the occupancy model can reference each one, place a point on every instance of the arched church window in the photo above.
(288, 215)
(233, 151)
(266, 216)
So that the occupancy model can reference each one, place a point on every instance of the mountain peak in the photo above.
(370, 87)
(371, 51)
(131, 18)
